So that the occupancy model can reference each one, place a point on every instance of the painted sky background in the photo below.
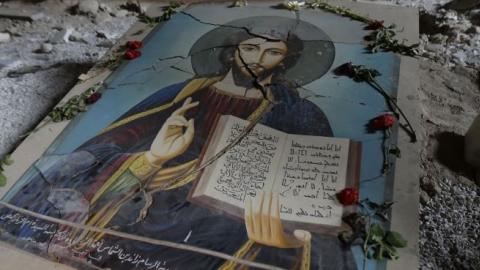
(348, 105)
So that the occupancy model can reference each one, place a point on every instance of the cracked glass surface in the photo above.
(106, 171)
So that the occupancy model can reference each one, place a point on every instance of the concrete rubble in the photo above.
(4, 37)
(41, 59)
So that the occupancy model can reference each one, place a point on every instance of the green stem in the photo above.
(343, 11)
(411, 132)
(365, 244)
(386, 164)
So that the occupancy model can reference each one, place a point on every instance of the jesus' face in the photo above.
(257, 55)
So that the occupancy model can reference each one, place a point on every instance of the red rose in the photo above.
(383, 121)
(132, 54)
(346, 69)
(374, 25)
(134, 44)
(93, 98)
(348, 196)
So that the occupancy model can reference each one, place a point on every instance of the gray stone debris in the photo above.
(63, 36)
(104, 7)
(88, 7)
(119, 13)
(77, 37)
(27, 13)
(31, 80)
(458, 38)
(46, 48)
(4, 37)
(460, 5)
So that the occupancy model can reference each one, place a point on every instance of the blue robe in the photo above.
(172, 217)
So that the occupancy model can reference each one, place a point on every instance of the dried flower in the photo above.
(382, 122)
(239, 3)
(377, 243)
(374, 25)
(380, 39)
(384, 39)
(395, 151)
(169, 11)
(292, 5)
(342, 11)
(93, 98)
(134, 44)
(346, 69)
(358, 73)
(348, 196)
(132, 54)
(74, 105)
(6, 161)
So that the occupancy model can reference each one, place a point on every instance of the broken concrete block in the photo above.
(21, 14)
(4, 63)
(46, 48)
(4, 37)
(462, 4)
(105, 8)
(23, 70)
(62, 36)
(88, 7)
(75, 36)
(119, 13)
(79, 37)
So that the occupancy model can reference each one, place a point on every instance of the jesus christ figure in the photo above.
(154, 147)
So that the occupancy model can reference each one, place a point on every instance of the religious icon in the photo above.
(137, 174)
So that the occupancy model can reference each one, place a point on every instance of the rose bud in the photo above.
(348, 196)
(374, 25)
(134, 44)
(93, 98)
(132, 54)
(346, 69)
(382, 122)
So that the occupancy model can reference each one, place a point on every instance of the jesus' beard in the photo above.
(247, 80)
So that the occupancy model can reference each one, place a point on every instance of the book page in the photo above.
(312, 170)
(249, 167)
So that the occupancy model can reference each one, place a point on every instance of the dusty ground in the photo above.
(25, 99)
(450, 200)
(450, 91)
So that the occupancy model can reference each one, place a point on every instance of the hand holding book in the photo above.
(264, 225)
(304, 172)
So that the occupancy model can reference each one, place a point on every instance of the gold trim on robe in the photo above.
(191, 87)
(112, 179)
(141, 168)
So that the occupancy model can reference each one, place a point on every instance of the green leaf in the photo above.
(3, 180)
(239, 3)
(395, 239)
(376, 233)
(345, 236)
(7, 160)
(378, 253)
(395, 151)
(390, 252)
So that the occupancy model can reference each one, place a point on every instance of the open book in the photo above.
(305, 171)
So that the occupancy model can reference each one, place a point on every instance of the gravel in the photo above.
(450, 198)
